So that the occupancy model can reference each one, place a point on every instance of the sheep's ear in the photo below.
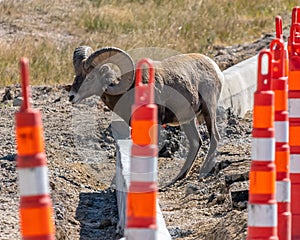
(104, 69)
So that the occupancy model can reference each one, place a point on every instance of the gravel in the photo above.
(80, 151)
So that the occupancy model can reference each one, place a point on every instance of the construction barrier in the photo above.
(262, 207)
(142, 195)
(296, 15)
(295, 22)
(282, 150)
(294, 30)
(36, 212)
(294, 120)
(279, 35)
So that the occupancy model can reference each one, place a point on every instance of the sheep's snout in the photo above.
(74, 97)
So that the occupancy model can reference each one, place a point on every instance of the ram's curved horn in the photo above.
(119, 58)
(80, 55)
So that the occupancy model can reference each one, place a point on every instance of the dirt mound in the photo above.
(81, 159)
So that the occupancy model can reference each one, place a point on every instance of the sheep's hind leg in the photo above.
(210, 161)
(195, 143)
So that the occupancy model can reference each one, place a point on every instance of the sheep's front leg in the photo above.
(195, 143)
(162, 151)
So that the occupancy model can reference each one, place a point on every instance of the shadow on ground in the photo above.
(98, 215)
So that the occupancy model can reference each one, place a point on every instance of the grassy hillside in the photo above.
(48, 31)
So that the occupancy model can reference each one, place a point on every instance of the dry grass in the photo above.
(48, 31)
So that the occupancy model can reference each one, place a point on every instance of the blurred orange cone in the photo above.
(36, 213)
(142, 195)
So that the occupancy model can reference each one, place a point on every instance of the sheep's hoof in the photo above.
(165, 187)
(175, 181)
(204, 175)
(215, 169)
(207, 171)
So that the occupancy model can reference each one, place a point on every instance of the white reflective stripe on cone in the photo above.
(143, 169)
(263, 149)
(33, 181)
(281, 131)
(283, 191)
(141, 234)
(294, 110)
(262, 215)
(295, 163)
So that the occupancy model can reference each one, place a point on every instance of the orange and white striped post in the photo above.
(278, 27)
(36, 212)
(294, 124)
(279, 35)
(282, 149)
(294, 25)
(262, 208)
(142, 195)
(296, 15)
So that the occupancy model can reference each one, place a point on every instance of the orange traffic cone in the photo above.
(262, 208)
(36, 213)
(142, 195)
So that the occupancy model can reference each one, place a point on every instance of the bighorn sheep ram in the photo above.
(187, 87)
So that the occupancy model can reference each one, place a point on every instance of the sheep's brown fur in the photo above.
(187, 87)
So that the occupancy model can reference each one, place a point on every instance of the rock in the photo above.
(239, 177)
(105, 223)
(216, 198)
(52, 185)
(211, 198)
(60, 233)
(8, 95)
(229, 131)
(17, 102)
(221, 165)
(191, 189)
(239, 199)
(57, 100)
(233, 122)
(106, 109)
(241, 205)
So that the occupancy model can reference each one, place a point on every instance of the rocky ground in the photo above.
(81, 160)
